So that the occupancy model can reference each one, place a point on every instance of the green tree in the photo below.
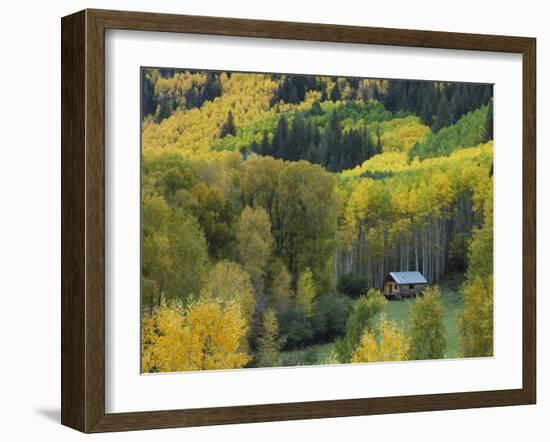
(468, 131)
(427, 328)
(228, 282)
(228, 127)
(216, 212)
(360, 321)
(480, 251)
(442, 116)
(293, 194)
(306, 192)
(280, 137)
(173, 253)
(305, 291)
(268, 340)
(330, 314)
(476, 320)
(335, 92)
(254, 243)
(458, 252)
(489, 123)
(279, 283)
(379, 148)
(297, 142)
(265, 145)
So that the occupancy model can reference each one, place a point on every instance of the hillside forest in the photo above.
(273, 207)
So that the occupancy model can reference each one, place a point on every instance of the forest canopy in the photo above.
(274, 206)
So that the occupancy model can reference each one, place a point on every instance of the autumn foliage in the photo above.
(274, 205)
(392, 345)
(203, 336)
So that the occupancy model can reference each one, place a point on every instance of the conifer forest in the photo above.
(279, 213)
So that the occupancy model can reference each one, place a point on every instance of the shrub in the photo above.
(329, 317)
(294, 327)
(352, 285)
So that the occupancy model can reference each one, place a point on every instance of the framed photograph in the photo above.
(267, 221)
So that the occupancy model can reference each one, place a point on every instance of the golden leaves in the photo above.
(305, 291)
(393, 345)
(246, 96)
(204, 336)
(476, 321)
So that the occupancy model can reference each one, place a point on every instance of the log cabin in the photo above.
(399, 285)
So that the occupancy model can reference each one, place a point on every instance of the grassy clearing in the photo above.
(396, 311)
(313, 355)
(453, 303)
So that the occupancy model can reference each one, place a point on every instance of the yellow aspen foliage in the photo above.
(394, 161)
(476, 321)
(365, 309)
(393, 345)
(268, 340)
(305, 291)
(427, 327)
(216, 332)
(247, 96)
(227, 283)
(400, 134)
(161, 336)
(204, 336)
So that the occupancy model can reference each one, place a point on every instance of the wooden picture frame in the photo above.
(83, 220)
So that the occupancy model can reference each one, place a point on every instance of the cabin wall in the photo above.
(410, 289)
(391, 287)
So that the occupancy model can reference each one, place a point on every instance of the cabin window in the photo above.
(411, 286)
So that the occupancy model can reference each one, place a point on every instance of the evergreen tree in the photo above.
(212, 88)
(368, 148)
(297, 139)
(255, 147)
(335, 92)
(457, 105)
(489, 123)
(228, 127)
(486, 94)
(332, 137)
(442, 117)
(429, 104)
(192, 98)
(316, 109)
(379, 147)
(265, 146)
(148, 98)
(280, 137)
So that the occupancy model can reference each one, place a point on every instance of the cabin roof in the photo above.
(408, 277)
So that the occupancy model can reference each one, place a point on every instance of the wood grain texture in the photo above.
(83, 220)
(529, 220)
(73, 129)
